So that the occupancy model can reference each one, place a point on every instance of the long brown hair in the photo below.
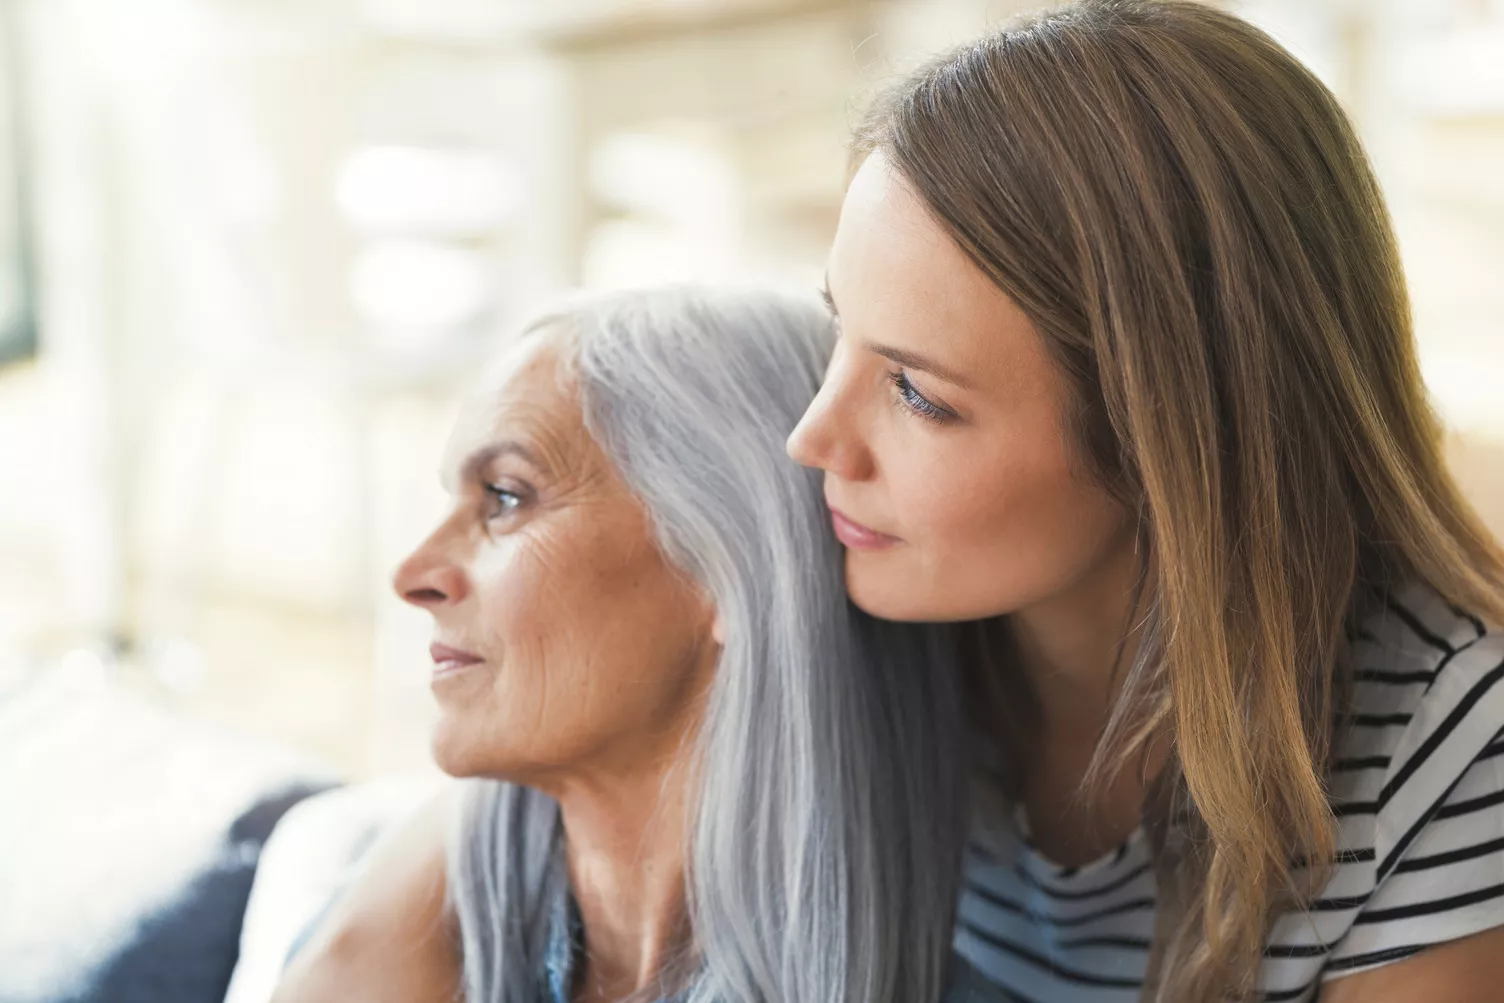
(1189, 220)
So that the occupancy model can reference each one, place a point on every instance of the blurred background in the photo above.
(251, 252)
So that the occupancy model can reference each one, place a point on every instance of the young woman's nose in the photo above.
(826, 438)
(428, 579)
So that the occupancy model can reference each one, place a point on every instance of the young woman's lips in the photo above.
(447, 661)
(859, 537)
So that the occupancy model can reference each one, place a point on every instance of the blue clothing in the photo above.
(566, 942)
(566, 939)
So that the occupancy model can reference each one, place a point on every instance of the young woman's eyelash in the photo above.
(914, 401)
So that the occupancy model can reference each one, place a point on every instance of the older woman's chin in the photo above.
(461, 749)
(453, 757)
(467, 739)
(488, 745)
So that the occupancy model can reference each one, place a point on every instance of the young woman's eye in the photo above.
(912, 400)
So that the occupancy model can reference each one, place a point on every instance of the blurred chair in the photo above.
(128, 844)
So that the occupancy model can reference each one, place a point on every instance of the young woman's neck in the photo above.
(1076, 650)
(1076, 646)
(625, 843)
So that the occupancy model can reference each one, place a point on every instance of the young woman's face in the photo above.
(564, 641)
(942, 428)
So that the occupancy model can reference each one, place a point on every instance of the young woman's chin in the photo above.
(877, 590)
(884, 586)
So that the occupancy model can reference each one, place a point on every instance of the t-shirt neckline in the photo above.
(1045, 864)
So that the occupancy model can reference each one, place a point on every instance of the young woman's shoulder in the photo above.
(1418, 791)
(1418, 786)
(1426, 699)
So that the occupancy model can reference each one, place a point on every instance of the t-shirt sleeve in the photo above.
(1438, 850)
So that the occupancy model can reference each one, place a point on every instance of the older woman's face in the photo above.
(563, 641)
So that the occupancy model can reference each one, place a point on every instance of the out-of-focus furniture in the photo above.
(129, 838)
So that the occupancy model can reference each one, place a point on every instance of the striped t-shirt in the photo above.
(1418, 791)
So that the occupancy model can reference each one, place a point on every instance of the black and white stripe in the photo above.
(1418, 791)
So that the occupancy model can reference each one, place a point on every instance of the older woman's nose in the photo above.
(426, 579)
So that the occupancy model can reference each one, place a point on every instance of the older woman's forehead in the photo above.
(531, 354)
(526, 398)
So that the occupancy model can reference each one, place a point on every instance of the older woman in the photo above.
(699, 772)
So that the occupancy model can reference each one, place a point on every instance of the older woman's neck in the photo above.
(626, 843)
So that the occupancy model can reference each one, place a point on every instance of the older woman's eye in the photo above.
(504, 502)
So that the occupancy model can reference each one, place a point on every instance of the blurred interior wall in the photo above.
(276, 241)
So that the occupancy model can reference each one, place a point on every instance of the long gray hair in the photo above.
(829, 817)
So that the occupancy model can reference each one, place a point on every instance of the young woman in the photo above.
(1126, 375)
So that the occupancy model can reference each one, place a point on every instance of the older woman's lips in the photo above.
(447, 660)
(859, 537)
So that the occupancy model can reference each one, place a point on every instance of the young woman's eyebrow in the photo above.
(830, 303)
(903, 357)
(919, 363)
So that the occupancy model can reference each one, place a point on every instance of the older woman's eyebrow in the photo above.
(477, 460)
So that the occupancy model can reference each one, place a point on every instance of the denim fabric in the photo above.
(566, 940)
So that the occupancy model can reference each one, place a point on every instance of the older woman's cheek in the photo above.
(533, 617)
(489, 718)
(555, 612)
